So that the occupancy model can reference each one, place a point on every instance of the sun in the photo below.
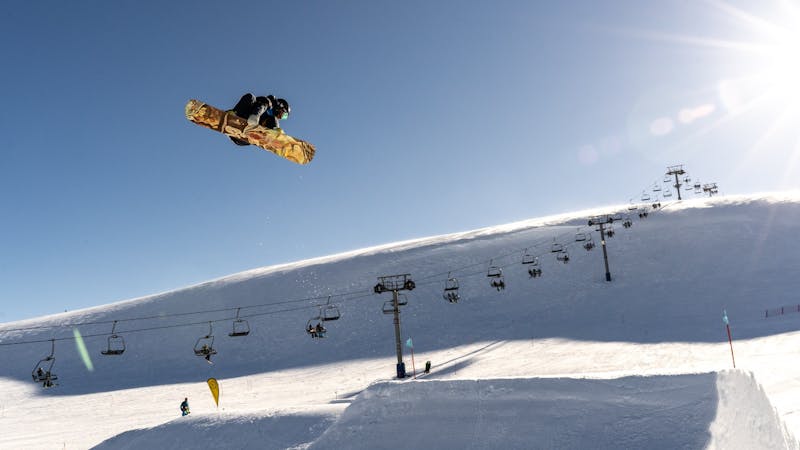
(782, 64)
(754, 54)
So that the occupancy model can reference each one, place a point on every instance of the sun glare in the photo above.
(782, 73)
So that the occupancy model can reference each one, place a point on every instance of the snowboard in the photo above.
(229, 124)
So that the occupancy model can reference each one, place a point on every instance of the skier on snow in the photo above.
(185, 407)
(264, 111)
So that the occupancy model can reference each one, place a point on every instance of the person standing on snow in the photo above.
(185, 407)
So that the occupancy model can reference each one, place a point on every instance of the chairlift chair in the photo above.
(116, 343)
(451, 290)
(329, 312)
(205, 344)
(496, 274)
(632, 206)
(402, 300)
(556, 247)
(535, 271)
(388, 307)
(494, 271)
(580, 236)
(645, 197)
(627, 223)
(667, 193)
(589, 245)
(656, 188)
(610, 231)
(527, 258)
(240, 326)
(563, 257)
(43, 371)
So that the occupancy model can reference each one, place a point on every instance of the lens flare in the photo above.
(81, 347)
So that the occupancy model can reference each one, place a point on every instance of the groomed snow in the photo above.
(563, 361)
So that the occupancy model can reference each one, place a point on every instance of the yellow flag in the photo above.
(214, 386)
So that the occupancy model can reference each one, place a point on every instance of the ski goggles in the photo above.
(281, 114)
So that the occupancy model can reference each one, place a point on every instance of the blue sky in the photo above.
(429, 117)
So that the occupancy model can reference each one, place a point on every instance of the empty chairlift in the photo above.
(43, 371)
(116, 343)
(329, 312)
(240, 326)
(527, 258)
(388, 305)
(556, 247)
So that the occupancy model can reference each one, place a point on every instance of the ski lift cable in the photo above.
(355, 296)
(164, 316)
(540, 242)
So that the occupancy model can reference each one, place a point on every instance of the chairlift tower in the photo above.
(395, 284)
(710, 189)
(600, 221)
(676, 171)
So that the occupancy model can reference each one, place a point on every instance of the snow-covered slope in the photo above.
(673, 275)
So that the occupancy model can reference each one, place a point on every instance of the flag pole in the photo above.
(730, 341)
(413, 366)
(410, 344)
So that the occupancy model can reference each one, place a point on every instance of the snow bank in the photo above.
(224, 431)
(726, 410)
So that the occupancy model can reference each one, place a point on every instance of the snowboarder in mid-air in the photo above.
(185, 407)
(264, 111)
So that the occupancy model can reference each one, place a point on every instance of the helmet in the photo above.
(281, 109)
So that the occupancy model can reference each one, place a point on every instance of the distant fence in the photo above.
(782, 310)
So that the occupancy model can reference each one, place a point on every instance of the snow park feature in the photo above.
(569, 360)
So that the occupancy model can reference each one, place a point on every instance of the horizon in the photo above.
(427, 119)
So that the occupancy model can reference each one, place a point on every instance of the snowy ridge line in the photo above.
(550, 220)
(425, 281)
(360, 294)
(366, 293)
(540, 242)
